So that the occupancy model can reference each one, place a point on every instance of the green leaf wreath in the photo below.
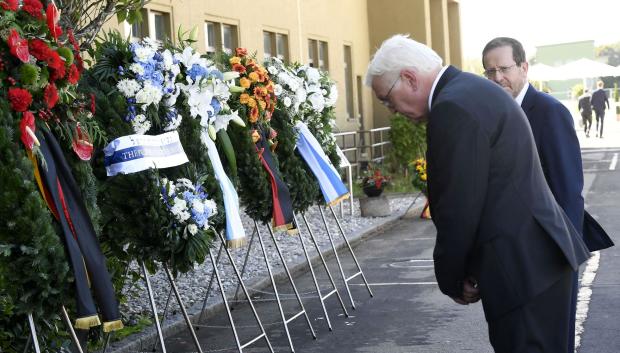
(301, 182)
(34, 273)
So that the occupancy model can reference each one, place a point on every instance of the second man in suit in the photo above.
(599, 103)
(556, 141)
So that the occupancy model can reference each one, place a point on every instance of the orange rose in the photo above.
(254, 116)
(241, 52)
(253, 76)
(251, 102)
(260, 91)
(234, 60)
(239, 68)
(244, 82)
(261, 77)
(244, 98)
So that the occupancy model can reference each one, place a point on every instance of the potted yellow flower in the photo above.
(419, 182)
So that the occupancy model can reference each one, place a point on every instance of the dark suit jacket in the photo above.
(496, 217)
(585, 107)
(599, 100)
(560, 157)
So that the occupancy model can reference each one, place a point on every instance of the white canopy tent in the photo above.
(579, 69)
(585, 68)
(542, 72)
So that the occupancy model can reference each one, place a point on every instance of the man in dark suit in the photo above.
(599, 101)
(558, 147)
(501, 236)
(585, 108)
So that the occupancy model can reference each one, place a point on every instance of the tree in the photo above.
(612, 53)
(87, 17)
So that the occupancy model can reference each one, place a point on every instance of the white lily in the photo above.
(222, 120)
(230, 75)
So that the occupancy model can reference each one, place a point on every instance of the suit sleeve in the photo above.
(606, 100)
(458, 160)
(561, 154)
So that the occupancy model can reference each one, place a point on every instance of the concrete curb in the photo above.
(145, 340)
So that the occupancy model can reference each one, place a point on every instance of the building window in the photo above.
(318, 54)
(210, 37)
(154, 24)
(311, 52)
(160, 22)
(323, 56)
(229, 38)
(275, 44)
(267, 45)
(282, 46)
(348, 81)
(221, 36)
(140, 29)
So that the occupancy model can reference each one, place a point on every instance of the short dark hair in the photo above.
(518, 54)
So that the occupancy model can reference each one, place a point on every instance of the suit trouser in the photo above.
(600, 115)
(587, 122)
(540, 325)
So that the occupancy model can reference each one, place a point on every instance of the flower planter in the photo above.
(372, 191)
(378, 206)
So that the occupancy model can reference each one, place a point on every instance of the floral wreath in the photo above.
(40, 66)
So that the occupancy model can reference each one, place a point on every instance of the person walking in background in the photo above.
(556, 141)
(585, 108)
(501, 236)
(599, 102)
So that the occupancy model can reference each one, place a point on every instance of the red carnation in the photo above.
(26, 136)
(10, 5)
(54, 60)
(53, 16)
(20, 99)
(34, 8)
(18, 46)
(74, 74)
(39, 49)
(50, 95)
(58, 74)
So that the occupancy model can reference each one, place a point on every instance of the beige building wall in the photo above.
(454, 25)
(360, 25)
(427, 21)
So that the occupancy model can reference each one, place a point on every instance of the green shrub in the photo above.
(408, 142)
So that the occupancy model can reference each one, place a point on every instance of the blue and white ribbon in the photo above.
(328, 177)
(135, 153)
(235, 233)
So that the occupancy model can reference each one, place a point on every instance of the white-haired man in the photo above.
(501, 236)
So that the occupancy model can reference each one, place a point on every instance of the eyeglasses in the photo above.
(386, 100)
(501, 69)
